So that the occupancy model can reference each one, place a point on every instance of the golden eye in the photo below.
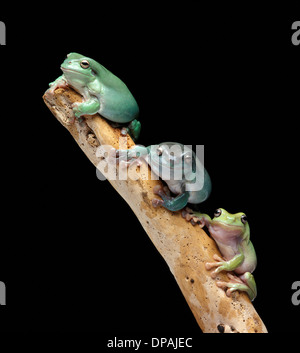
(84, 64)
(159, 151)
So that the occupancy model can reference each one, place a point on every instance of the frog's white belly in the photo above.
(176, 186)
(228, 251)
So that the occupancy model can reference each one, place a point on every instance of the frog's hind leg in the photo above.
(133, 129)
(244, 283)
(171, 203)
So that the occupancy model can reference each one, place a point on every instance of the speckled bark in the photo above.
(184, 247)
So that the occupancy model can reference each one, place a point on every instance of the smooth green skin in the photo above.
(164, 164)
(233, 239)
(102, 92)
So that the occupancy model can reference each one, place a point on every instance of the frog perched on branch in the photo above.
(102, 92)
(231, 232)
(178, 166)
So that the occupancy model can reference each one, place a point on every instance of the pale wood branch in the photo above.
(185, 248)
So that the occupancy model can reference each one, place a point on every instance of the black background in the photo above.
(73, 255)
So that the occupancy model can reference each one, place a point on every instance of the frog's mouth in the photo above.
(74, 71)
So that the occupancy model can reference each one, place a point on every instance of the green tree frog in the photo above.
(179, 167)
(102, 92)
(231, 232)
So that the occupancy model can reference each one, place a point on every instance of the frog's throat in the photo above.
(231, 228)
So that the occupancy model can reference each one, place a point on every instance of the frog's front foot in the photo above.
(77, 111)
(59, 84)
(219, 264)
(87, 107)
(189, 215)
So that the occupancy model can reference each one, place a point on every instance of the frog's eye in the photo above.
(159, 151)
(84, 64)
(188, 158)
(244, 219)
(218, 212)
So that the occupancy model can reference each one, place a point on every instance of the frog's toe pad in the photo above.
(221, 284)
(156, 203)
(218, 258)
(227, 287)
(210, 265)
(75, 105)
(124, 131)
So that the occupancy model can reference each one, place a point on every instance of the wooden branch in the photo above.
(184, 247)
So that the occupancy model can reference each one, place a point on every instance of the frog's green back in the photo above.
(118, 104)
